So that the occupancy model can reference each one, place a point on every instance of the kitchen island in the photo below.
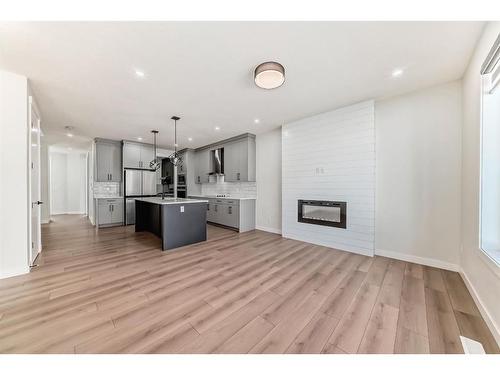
(177, 221)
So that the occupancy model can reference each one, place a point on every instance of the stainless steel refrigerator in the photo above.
(138, 183)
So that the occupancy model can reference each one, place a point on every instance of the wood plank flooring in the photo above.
(114, 291)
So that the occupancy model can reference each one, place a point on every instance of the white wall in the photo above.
(68, 182)
(331, 156)
(481, 274)
(14, 193)
(268, 175)
(418, 138)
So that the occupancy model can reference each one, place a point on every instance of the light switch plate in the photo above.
(182, 208)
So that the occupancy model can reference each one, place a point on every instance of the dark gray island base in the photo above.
(178, 222)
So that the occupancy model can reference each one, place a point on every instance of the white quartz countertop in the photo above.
(158, 200)
(230, 198)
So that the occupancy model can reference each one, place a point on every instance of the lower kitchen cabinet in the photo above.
(233, 213)
(109, 212)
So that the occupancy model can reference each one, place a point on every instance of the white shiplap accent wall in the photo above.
(331, 156)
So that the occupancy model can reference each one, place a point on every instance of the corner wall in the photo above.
(14, 236)
(481, 275)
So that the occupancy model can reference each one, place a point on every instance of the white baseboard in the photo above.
(267, 229)
(494, 328)
(14, 272)
(419, 260)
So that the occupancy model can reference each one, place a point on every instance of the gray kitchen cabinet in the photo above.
(238, 214)
(108, 161)
(202, 166)
(137, 155)
(131, 155)
(239, 160)
(109, 211)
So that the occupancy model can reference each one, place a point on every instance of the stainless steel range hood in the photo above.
(217, 161)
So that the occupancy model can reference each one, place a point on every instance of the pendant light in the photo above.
(153, 164)
(269, 75)
(175, 159)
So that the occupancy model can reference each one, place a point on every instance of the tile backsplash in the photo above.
(247, 189)
(107, 188)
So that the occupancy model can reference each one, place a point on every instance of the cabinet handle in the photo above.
(229, 210)
(110, 176)
(112, 208)
(198, 179)
(208, 207)
(238, 176)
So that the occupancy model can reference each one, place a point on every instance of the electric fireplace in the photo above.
(329, 213)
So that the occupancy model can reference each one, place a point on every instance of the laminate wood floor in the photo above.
(114, 291)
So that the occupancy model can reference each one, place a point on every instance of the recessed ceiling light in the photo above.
(269, 75)
(256, 120)
(217, 128)
(397, 73)
(69, 135)
(139, 138)
(139, 73)
(190, 139)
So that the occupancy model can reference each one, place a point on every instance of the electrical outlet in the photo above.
(182, 208)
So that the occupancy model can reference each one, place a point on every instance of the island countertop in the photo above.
(158, 200)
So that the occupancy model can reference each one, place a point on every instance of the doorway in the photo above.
(35, 192)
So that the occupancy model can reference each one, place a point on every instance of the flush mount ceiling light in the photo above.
(269, 75)
(139, 73)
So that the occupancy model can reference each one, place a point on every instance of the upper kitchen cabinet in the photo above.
(239, 160)
(108, 160)
(137, 155)
(202, 166)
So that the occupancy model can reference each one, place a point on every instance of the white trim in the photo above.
(14, 272)
(268, 229)
(494, 328)
(490, 262)
(68, 213)
(419, 260)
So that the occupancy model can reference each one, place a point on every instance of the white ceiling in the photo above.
(83, 74)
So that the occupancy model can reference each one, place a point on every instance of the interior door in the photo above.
(35, 194)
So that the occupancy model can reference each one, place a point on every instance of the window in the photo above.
(490, 154)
